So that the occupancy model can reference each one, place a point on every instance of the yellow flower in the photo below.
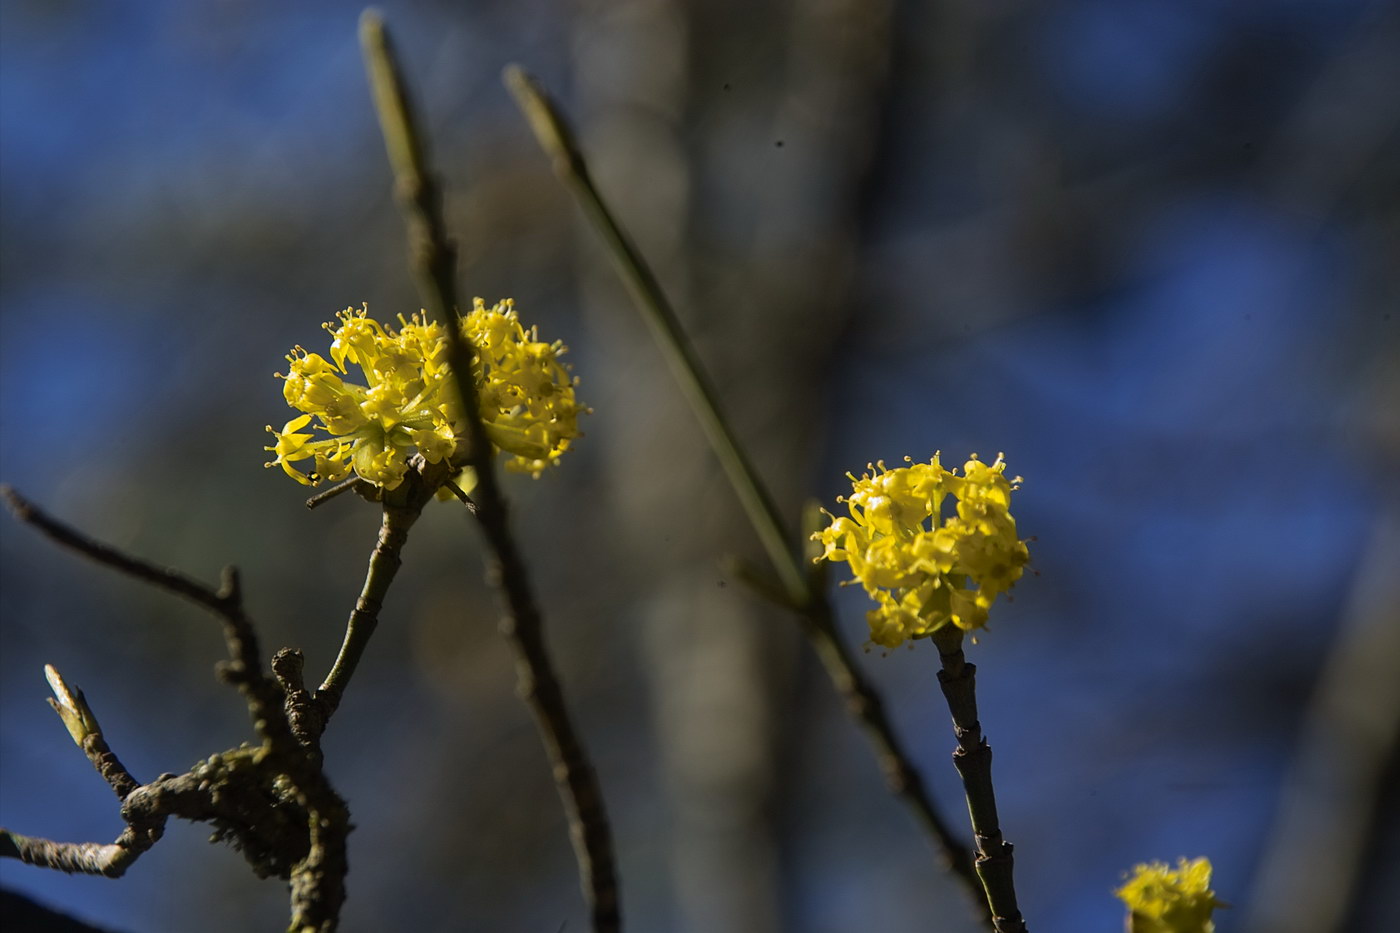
(925, 570)
(527, 395)
(404, 402)
(1161, 900)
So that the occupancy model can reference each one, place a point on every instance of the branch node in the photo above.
(230, 586)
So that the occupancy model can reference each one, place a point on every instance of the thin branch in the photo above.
(145, 810)
(434, 253)
(462, 497)
(244, 671)
(244, 668)
(903, 778)
(384, 563)
(434, 261)
(72, 707)
(401, 507)
(973, 759)
(318, 877)
(538, 686)
(339, 489)
(557, 139)
(82, 858)
(760, 580)
(160, 577)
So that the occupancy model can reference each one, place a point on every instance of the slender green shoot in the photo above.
(804, 591)
(554, 135)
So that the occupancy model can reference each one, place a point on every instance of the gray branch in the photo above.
(271, 801)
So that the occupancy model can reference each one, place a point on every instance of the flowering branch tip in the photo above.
(924, 570)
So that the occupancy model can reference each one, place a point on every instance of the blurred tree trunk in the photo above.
(704, 648)
(752, 224)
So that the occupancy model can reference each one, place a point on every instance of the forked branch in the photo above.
(271, 801)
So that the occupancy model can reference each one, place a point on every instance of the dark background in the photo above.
(1146, 247)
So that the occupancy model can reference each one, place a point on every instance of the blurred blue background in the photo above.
(1148, 249)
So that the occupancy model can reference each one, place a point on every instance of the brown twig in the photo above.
(904, 780)
(462, 497)
(434, 263)
(339, 489)
(272, 801)
(538, 686)
(305, 715)
(160, 577)
(81, 858)
(243, 668)
(973, 760)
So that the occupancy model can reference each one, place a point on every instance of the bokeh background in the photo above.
(1146, 247)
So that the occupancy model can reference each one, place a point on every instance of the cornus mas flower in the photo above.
(926, 570)
(1161, 900)
(401, 400)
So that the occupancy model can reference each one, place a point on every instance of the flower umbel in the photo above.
(404, 402)
(927, 571)
(1161, 900)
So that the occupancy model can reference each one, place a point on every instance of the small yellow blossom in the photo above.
(1161, 900)
(926, 570)
(404, 401)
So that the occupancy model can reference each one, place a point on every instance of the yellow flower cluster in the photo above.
(407, 403)
(926, 570)
(1161, 900)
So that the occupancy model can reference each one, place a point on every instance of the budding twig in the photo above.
(73, 709)
(273, 799)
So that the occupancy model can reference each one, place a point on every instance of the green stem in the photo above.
(557, 139)
(384, 563)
